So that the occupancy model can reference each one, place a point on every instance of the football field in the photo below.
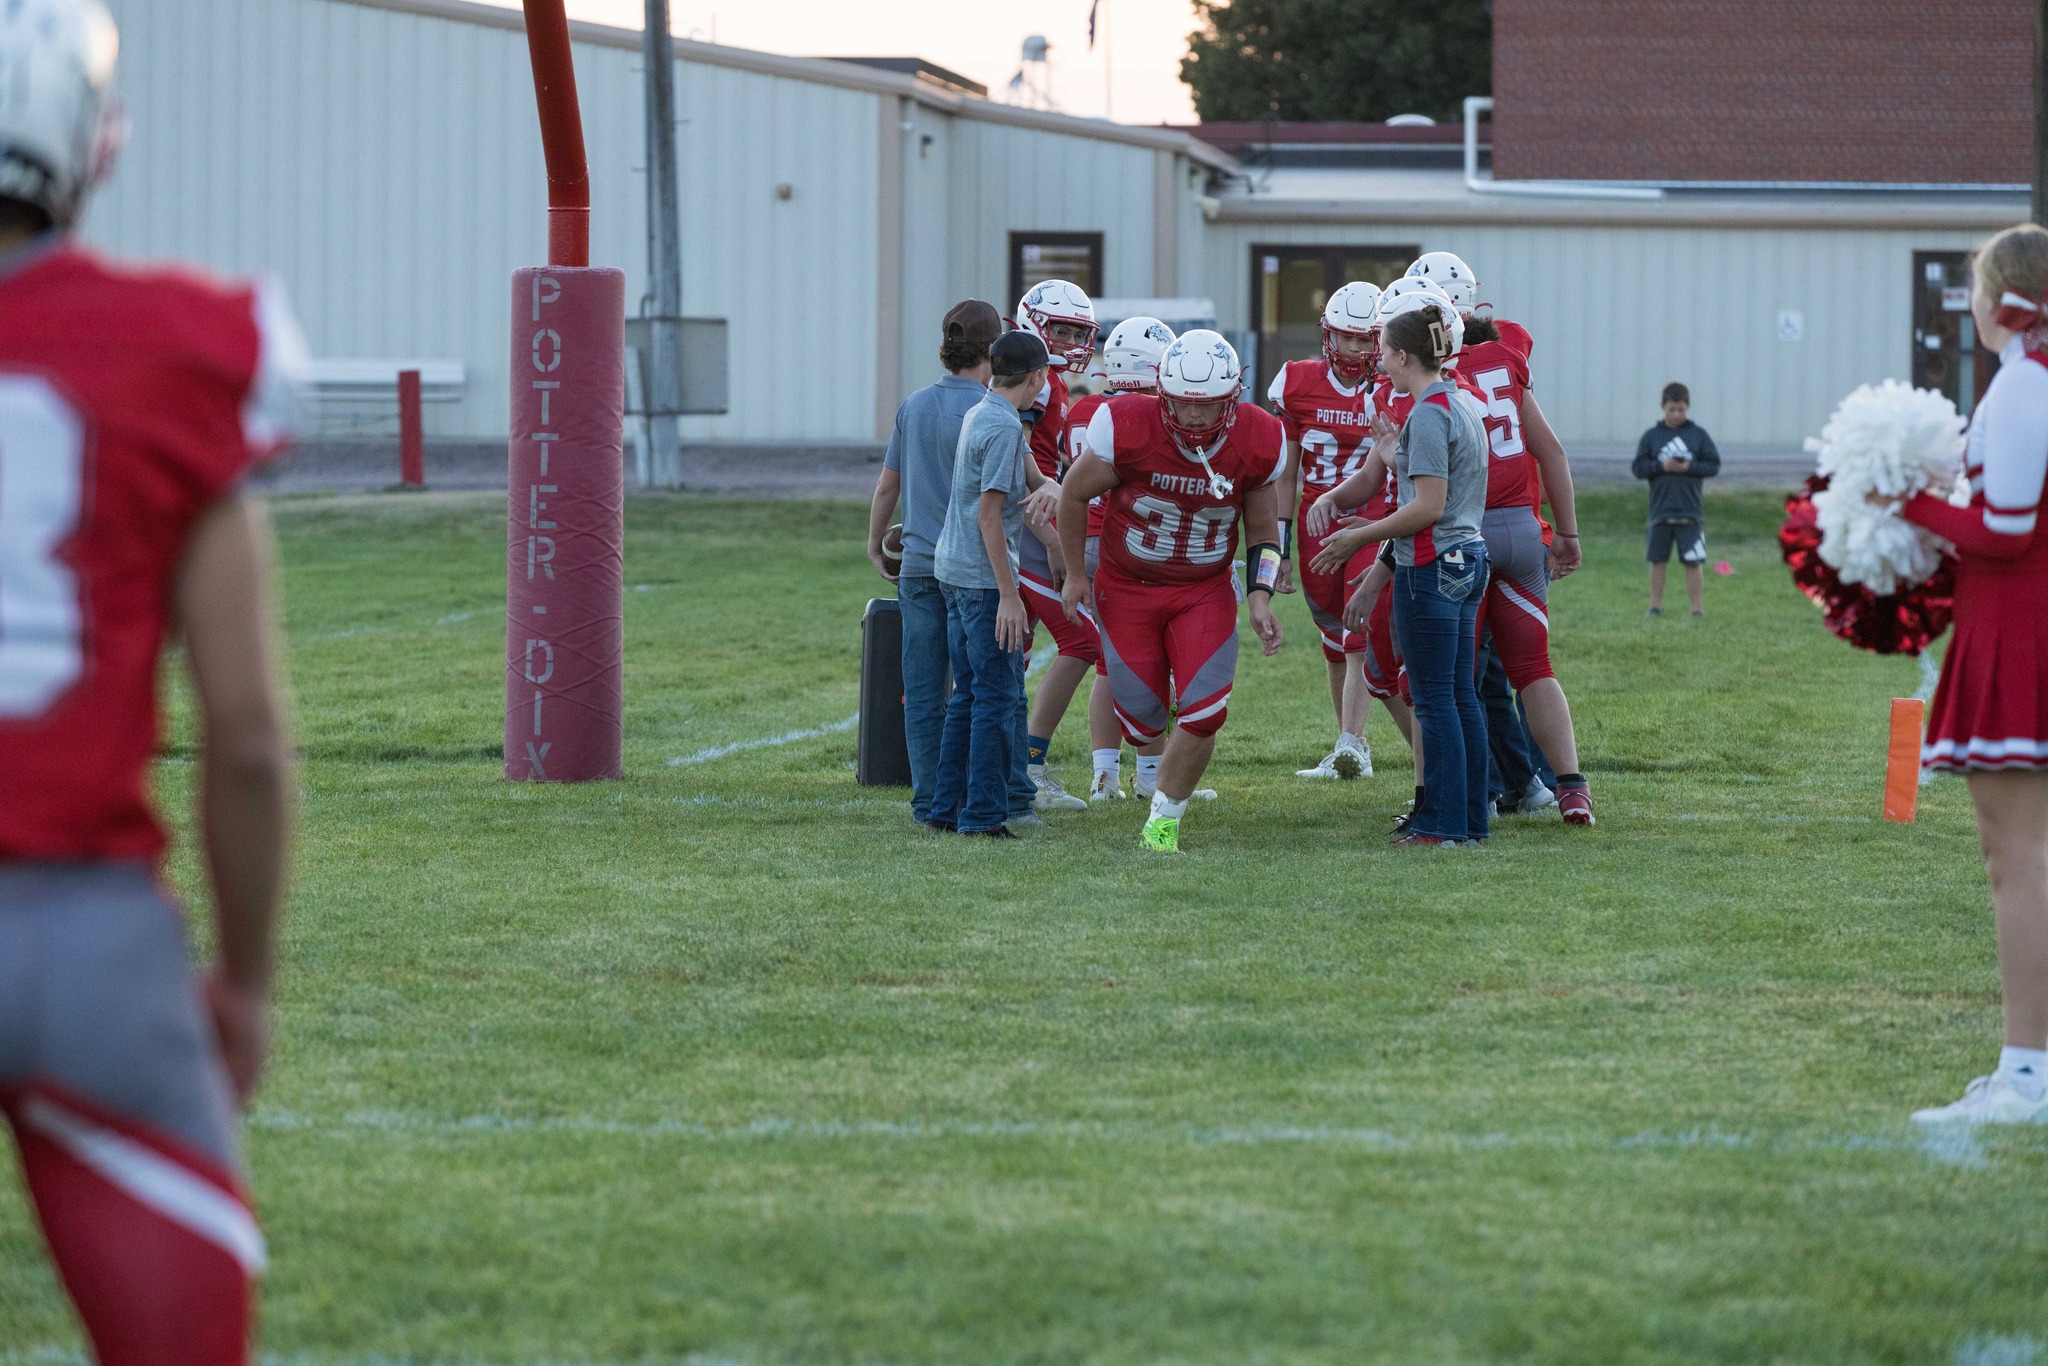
(726, 1063)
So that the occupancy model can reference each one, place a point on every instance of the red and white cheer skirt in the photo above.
(1991, 708)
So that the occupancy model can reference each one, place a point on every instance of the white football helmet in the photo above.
(59, 123)
(1351, 311)
(1447, 317)
(1131, 356)
(1200, 382)
(1449, 273)
(1059, 301)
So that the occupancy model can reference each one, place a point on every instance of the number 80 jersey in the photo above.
(1163, 523)
(130, 402)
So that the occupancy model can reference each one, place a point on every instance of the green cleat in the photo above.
(1162, 835)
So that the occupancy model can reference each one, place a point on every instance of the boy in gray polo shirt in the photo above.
(975, 562)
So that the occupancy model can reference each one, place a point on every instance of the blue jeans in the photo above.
(1436, 616)
(923, 608)
(977, 756)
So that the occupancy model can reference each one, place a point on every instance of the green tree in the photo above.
(1338, 59)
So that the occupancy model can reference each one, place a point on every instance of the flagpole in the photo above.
(1108, 66)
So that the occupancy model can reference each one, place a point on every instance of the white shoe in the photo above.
(1988, 1100)
(1326, 769)
(1051, 795)
(1535, 799)
(1352, 761)
(1144, 790)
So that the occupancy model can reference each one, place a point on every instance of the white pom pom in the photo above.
(1892, 440)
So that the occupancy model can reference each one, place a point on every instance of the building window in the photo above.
(1290, 285)
(1036, 256)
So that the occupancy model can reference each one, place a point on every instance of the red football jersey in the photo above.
(1331, 424)
(1163, 523)
(1074, 441)
(1050, 425)
(130, 401)
(1499, 371)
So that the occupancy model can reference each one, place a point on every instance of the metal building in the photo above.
(383, 158)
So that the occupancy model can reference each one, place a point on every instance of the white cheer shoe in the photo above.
(1988, 1100)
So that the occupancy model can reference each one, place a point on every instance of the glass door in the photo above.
(1290, 285)
(1946, 353)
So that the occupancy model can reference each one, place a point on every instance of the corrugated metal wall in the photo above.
(387, 167)
(1619, 312)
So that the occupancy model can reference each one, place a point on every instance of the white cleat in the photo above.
(1051, 795)
(1988, 1100)
(1326, 769)
(1352, 761)
(1143, 791)
(1107, 787)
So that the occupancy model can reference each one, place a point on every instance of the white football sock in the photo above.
(1148, 769)
(1110, 761)
(1166, 807)
(2026, 1069)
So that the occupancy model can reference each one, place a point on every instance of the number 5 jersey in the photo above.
(130, 401)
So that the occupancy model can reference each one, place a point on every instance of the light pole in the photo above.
(663, 398)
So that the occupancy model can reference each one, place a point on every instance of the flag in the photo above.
(1093, 5)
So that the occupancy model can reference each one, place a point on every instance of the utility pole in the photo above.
(2041, 112)
(664, 397)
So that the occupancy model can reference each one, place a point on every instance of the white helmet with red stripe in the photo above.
(1060, 301)
(1131, 356)
(1200, 382)
(1350, 312)
(59, 123)
(1449, 273)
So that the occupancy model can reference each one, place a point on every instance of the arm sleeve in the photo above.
(274, 410)
(1645, 466)
(2015, 451)
(1706, 461)
(999, 457)
(1101, 435)
(1276, 394)
(894, 459)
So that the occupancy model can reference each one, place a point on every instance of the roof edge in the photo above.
(1870, 214)
(824, 71)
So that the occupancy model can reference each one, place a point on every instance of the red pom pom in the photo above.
(1901, 623)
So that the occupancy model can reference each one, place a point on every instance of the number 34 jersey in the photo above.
(1163, 523)
(1331, 424)
(130, 402)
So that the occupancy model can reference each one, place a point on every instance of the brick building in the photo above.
(1760, 91)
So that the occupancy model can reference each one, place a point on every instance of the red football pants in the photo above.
(1328, 593)
(1163, 641)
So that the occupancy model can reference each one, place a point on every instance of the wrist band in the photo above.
(1262, 568)
(1387, 555)
(1286, 536)
(1569, 535)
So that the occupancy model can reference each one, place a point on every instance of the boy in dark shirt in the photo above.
(1676, 455)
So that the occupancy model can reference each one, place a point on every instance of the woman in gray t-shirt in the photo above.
(1439, 571)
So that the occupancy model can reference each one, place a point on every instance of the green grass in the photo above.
(725, 1059)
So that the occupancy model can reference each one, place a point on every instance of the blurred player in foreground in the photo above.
(1177, 473)
(131, 406)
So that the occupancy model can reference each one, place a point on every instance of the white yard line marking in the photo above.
(1946, 1149)
(788, 737)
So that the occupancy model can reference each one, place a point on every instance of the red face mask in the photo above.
(1351, 369)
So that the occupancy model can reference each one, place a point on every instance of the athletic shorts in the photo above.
(1690, 536)
(111, 1079)
(1327, 593)
(1165, 642)
(1042, 604)
(1516, 607)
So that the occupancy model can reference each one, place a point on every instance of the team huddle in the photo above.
(1139, 496)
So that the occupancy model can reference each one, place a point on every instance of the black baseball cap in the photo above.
(973, 321)
(1017, 353)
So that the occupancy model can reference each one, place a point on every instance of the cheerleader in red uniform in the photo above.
(1990, 715)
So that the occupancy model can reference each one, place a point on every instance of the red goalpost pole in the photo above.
(565, 532)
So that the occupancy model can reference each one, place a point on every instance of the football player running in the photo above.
(1326, 410)
(1060, 314)
(1527, 462)
(1178, 472)
(1130, 365)
(132, 405)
